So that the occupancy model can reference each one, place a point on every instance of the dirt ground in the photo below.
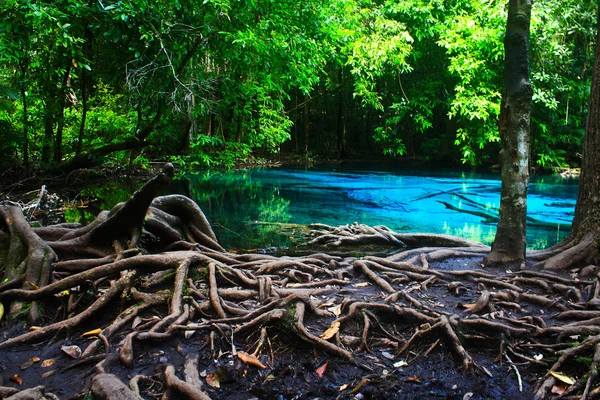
(291, 366)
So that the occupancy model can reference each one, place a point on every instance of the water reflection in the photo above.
(262, 208)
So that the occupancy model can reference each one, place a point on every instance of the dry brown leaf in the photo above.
(93, 332)
(72, 351)
(469, 307)
(16, 379)
(48, 363)
(413, 379)
(343, 387)
(562, 377)
(327, 304)
(337, 310)
(321, 370)
(559, 389)
(249, 359)
(49, 373)
(333, 329)
(26, 364)
(33, 285)
(362, 284)
(35, 359)
(362, 382)
(213, 380)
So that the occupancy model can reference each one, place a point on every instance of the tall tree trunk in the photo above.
(84, 95)
(587, 212)
(582, 245)
(61, 114)
(510, 241)
(48, 130)
(23, 65)
(306, 122)
(341, 119)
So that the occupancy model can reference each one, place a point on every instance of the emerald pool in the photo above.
(261, 207)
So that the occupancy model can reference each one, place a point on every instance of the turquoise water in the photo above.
(258, 208)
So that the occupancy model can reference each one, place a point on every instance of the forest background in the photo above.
(215, 82)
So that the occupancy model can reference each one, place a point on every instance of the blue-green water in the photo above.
(247, 208)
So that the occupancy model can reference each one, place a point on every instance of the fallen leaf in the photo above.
(400, 363)
(188, 334)
(136, 322)
(343, 387)
(35, 359)
(34, 328)
(335, 310)
(26, 364)
(562, 377)
(387, 355)
(213, 380)
(249, 359)
(93, 332)
(72, 351)
(33, 285)
(49, 373)
(270, 378)
(362, 284)
(559, 389)
(48, 363)
(16, 379)
(327, 304)
(321, 370)
(413, 379)
(333, 329)
(362, 382)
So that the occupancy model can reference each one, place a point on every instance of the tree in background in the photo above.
(515, 114)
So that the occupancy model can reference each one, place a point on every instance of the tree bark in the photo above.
(510, 241)
(587, 211)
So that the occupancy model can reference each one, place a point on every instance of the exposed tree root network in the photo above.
(154, 266)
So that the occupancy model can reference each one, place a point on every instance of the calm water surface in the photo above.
(257, 208)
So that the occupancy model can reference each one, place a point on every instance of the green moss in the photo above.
(584, 360)
(201, 274)
(288, 320)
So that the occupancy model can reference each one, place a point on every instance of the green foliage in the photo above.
(210, 82)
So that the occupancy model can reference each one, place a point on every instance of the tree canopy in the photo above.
(210, 82)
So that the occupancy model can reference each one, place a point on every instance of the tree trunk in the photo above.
(306, 122)
(341, 119)
(25, 144)
(84, 95)
(61, 114)
(587, 212)
(48, 131)
(510, 241)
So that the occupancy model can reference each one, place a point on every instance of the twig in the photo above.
(514, 368)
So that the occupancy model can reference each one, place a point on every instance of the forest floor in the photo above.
(292, 366)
